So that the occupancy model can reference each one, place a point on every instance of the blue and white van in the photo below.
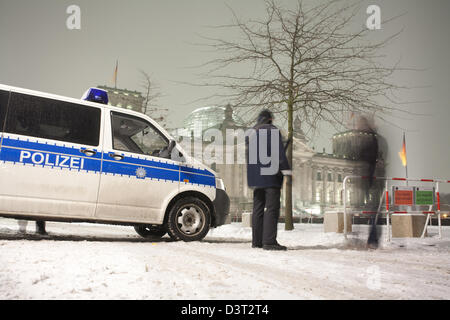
(70, 160)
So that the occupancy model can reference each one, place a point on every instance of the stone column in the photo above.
(313, 184)
(324, 185)
(344, 194)
(334, 185)
(306, 183)
(309, 185)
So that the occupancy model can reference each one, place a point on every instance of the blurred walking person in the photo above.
(369, 155)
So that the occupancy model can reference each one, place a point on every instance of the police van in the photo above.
(70, 160)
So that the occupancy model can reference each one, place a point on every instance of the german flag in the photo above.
(402, 153)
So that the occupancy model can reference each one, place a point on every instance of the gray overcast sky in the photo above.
(38, 52)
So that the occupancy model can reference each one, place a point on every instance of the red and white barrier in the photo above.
(386, 196)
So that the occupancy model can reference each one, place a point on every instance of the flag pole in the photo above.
(115, 74)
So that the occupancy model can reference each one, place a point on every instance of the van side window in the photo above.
(53, 119)
(4, 95)
(133, 134)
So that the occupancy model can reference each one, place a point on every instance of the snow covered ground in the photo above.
(87, 261)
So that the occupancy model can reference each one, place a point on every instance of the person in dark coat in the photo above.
(369, 155)
(266, 164)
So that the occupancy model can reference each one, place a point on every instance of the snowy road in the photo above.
(82, 261)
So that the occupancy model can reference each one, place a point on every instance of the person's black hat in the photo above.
(265, 116)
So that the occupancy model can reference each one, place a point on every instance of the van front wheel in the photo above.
(189, 220)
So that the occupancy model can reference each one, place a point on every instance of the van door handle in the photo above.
(116, 156)
(88, 152)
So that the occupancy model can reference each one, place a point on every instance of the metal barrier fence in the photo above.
(406, 201)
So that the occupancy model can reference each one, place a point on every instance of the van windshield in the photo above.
(136, 135)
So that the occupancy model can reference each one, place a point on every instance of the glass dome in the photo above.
(208, 117)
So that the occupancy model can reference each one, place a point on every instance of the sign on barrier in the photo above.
(424, 196)
(403, 196)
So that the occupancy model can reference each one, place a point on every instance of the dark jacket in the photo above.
(255, 178)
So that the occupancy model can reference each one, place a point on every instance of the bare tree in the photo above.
(306, 62)
(151, 95)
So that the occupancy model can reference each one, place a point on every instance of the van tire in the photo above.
(188, 219)
(150, 231)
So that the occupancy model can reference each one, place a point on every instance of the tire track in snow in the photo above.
(223, 277)
(399, 276)
(296, 281)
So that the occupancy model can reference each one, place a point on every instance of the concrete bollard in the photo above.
(247, 219)
(407, 225)
(334, 222)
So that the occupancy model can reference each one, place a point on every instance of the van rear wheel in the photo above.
(188, 220)
(150, 231)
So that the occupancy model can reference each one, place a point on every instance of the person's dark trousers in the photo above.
(264, 223)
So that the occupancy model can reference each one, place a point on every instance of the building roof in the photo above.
(211, 117)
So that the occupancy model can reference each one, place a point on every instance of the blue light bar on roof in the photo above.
(96, 95)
